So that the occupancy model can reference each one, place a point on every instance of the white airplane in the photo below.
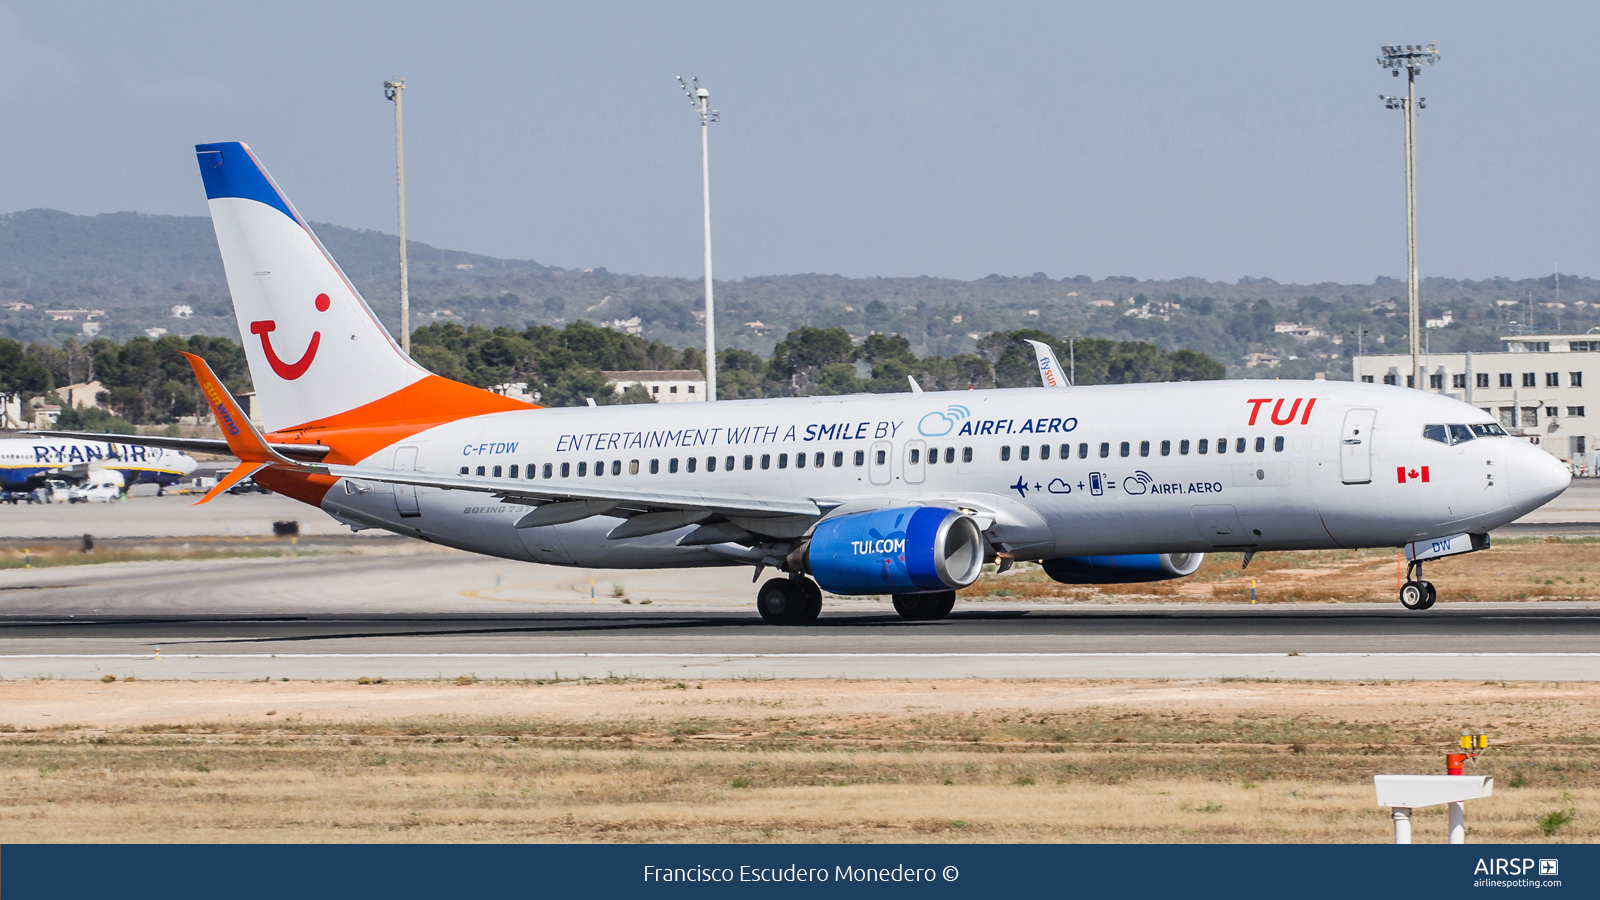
(906, 495)
(30, 463)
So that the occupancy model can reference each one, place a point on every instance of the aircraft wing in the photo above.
(306, 452)
(1049, 367)
(566, 503)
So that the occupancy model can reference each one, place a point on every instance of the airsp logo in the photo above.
(939, 424)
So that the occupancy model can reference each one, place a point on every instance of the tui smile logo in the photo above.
(286, 370)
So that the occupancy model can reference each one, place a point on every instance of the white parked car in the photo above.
(101, 491)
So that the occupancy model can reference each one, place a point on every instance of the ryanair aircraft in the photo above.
(29, 463)
(907, 495)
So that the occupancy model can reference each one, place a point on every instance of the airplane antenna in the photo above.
(391, 91)
(1411, 58)
(700, 99)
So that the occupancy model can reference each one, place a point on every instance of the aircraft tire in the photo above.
(1414, 595)
(813, 598)
(1433, 595)
(781, 603)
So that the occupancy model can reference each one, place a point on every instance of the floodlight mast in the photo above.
(1411, 58)
(700, 99)
(391, 91)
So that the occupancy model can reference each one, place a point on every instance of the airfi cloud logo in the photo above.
(939, 424)
(286, 370)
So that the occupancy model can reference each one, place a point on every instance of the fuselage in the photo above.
(27, 463)
(1122, 469)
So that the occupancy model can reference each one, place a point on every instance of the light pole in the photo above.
(391, 91)
(1360, 333)
(1411, 58)
(700, 99)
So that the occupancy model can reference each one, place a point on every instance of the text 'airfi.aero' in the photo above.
(907, 495)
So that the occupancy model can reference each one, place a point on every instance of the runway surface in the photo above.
(1546, 642)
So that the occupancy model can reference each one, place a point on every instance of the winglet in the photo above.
(1049, 368)
(243, 439)
(915, 388)
(240, 472)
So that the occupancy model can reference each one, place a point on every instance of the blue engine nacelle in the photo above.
(1122, 569)
(902, 550)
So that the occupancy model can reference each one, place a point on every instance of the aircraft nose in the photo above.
(1534, 477)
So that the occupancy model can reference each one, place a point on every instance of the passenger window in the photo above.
(633, 466)
(1125, 448)
(672, 466)
(1460, 434)
(693, 461)
(566, 469)
(1261, 445)
(799, 460)
(655, 467)
(819, 458)
(711, 464)
(1144, 448)
(1238, 446)
(599, 468)
(480, 470)
(861, 457)
(728, 464)
(1024, 455)
(1166, 448)
(749, 462)
(882, 457)
(838, 459)
(583, 469)
(783, 460)
(616, 467)
(966, 454)
(547, 467)
(1436, 433)
(1005, 454)
(766, 460)
(512, 473)
(1105, 449)
(1044, 451)
(916, 455)
(464, 470)
(1222, 445)
(1066, 451)
(933, 455)
(1277, 444)
(1203, 447)
(1183, 448)
(1083, 451)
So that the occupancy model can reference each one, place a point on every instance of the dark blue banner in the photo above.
(668, 870)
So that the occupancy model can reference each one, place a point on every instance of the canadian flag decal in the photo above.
(1419, 474)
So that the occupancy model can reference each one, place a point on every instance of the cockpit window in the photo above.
(1436, 433)
(1488, 430)
(1460, 434)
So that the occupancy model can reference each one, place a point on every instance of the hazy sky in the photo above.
(955, 139)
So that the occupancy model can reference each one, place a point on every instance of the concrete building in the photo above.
(85, 395)
(670, 386)
(1540, 388)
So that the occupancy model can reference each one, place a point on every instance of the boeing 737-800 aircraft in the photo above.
(906, 495)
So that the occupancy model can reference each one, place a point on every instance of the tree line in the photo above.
(148, 382)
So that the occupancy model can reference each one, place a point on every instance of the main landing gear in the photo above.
(1417, 594)
(794, 600)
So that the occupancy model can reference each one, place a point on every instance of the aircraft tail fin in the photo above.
(319, 357)
(1049, 367)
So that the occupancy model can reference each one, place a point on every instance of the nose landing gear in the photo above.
(789, 601)
(1417, 594)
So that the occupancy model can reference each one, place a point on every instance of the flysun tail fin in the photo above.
(319, 357)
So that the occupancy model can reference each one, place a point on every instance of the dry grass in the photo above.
(782, 762)
(1514, 569)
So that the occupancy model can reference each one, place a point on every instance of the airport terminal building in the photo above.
(1540, 388)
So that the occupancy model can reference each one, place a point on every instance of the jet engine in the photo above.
(1122, 569)
(901, 550)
